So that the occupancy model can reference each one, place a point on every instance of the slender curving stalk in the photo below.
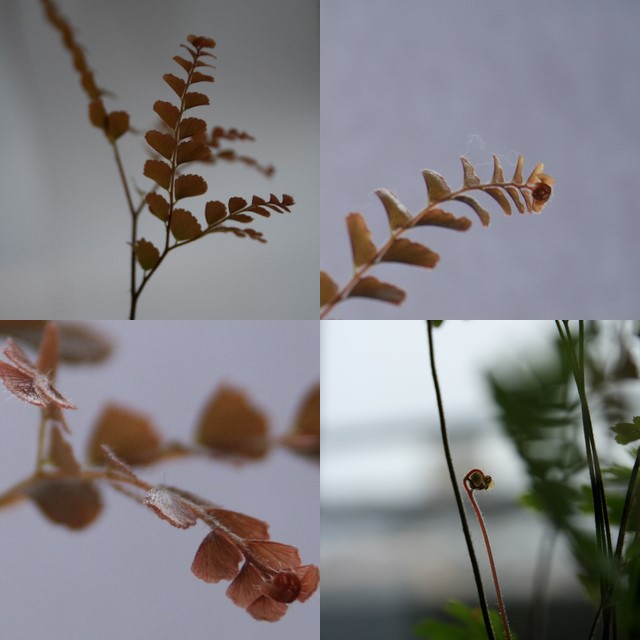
(454, 483)
(476, 480)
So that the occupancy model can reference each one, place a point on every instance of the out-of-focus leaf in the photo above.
(61, 453)
(230, 424)
(70, 502)
(117, 124)
(304, 436)
(362, 246)
(132, 436)
(98, 114)
(627, 432)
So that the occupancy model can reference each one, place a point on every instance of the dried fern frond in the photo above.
(528, 195)
(115, 123)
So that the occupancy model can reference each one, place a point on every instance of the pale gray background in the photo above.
(413, 84)
(65, 225)
(128, 575)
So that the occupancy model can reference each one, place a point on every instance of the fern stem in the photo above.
(359, 273)
(456, 490)
(494, 573)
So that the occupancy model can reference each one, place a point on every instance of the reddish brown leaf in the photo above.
(61, 453)
(196, 76)
(371, 287)
(163, 143)
(147, 254)
(215, 211)
(398, 214)
(78, 343)
(157, 205)
(403, 250)
(257, 200)
(70, 502)
(184, 226)
(194, 99)
(189, 185)
(328, 288)
(168, 112)
(217, 558)
(247, 586)
(117, 124)
(310, 578)
(98, 114)
(241, 524)
(170, 506)
(177, 84)
(48, 350)
(129, 434)
(236, 203)
(192, 149)
(304, 437)
(192, 127)
(185, 64)
(287, 199)
(201, 42)
(231, 424)
(440, 218)
(362, 247)
(158, 171)
(274, 555)
(242, 217)
(266, 609)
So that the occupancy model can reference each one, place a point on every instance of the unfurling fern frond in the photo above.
(528, 195)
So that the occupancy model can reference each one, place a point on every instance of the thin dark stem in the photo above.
(601, 515)
(456, 490)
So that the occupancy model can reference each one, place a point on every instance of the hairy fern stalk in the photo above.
(181, 141)
(528, 195)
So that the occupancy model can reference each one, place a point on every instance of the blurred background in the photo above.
(393, 552)
(128, 574)
(63, 249)
(410, 85)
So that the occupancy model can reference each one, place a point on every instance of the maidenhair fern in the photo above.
(179, 142)
(528, 195)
